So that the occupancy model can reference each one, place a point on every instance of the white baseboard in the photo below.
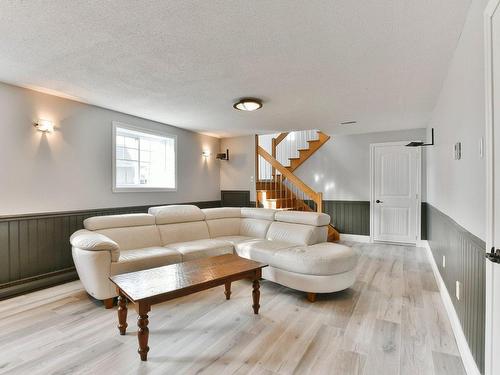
(463, 347)
(354, 237)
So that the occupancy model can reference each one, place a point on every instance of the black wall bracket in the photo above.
(422, 144)
(494, 255)
(223, 156)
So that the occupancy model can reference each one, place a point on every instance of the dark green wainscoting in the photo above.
(465, 262)
(349, 217)
(235, 198)
(35, 251)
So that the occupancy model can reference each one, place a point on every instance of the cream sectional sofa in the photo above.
(293, 243)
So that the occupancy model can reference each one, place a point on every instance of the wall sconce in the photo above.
(45, 126)
(223, 156)
(206, 154)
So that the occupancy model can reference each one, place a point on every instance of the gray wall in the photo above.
(457, 187)
(341, 167)
(464, 254)
(70, 169)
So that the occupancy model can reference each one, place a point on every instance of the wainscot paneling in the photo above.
(465, 262)
(35, 251)
(349, 217)
(235, 198)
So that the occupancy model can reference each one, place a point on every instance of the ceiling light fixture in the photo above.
(348, 123)
(248, 104)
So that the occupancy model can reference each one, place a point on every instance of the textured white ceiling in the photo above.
(314, 63)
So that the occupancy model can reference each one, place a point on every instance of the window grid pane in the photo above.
(144, 160)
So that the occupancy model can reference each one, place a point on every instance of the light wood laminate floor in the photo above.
(391, 322)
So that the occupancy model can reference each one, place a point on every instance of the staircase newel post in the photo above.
(256, 169)
(319, 203)
(273, 153)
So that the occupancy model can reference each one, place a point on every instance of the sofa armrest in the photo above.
(88, 240)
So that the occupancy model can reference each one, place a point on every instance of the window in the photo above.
(143, 160)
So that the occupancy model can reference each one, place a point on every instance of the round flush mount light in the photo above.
(248, 104)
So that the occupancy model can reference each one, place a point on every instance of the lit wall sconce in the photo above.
(45, 126)
(206, 154)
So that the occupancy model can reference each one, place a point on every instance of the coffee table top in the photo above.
(175, 277)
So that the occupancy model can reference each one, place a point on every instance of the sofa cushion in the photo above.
(297, 234)
(118, 221)
(320, 259)
(301, 217)
(202, 248)
(133, 237)
(260, 250)
(236, 239)
(258, 213)
(182, 232)
(221, 212)
(141, 259)
(176, 214)
(224, 227)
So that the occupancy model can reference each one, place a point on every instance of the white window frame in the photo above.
(138, 189)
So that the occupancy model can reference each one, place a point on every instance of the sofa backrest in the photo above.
(255, 222)
(233, 221)
(130, 231)
(180, 223)
(165, 225)
(223, 221)
(302, 228)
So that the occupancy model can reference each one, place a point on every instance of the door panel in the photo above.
(492, 60)
(395, 193)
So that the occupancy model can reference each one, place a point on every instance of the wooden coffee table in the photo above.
(156, 285)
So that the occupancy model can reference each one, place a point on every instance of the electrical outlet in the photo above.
(444, 261)
(251, 179)
(457, 289)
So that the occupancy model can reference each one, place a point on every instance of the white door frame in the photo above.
(492, 365)
(372, 186)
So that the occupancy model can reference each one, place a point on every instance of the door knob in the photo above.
(378, 201)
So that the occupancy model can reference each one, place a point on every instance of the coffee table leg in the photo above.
(143, 332)
(227, 292)
(122, 313)
(256, 296)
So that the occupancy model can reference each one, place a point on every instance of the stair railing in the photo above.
(283, 186)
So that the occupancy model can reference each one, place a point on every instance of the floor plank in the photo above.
(391, 321)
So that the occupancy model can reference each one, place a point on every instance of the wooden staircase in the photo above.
(306, 153)
(277, 186)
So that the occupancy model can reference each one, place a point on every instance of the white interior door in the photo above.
(395, 202)
(492, 62)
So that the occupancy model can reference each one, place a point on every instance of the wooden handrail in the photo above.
(280, 138)
(316, 197)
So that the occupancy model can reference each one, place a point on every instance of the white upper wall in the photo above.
(70, 169)
(238, 173)
(457, 187)
(341, 167)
